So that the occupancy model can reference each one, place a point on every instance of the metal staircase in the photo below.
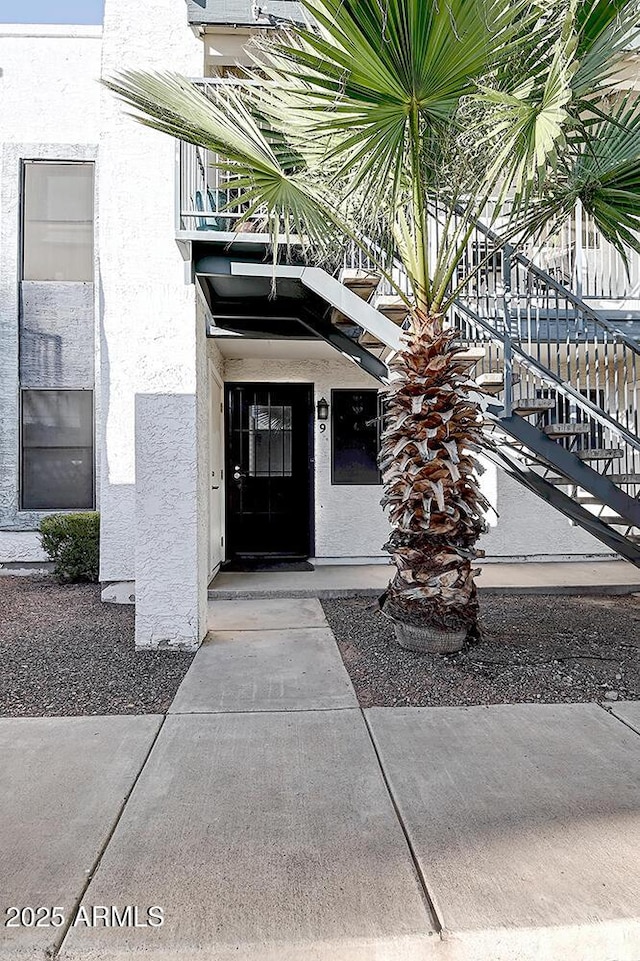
(560, 387)
(560, 382)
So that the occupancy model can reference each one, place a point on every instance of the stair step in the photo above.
(621, 480)
(360, 282)
(368, 340)
(344, 323)
(566, 430)
(533, 405)
(470, 356)
(601, 453)
(491, 383)
(393, 308)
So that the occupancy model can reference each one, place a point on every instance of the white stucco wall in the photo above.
(152, 492)
(20, 547)
(526, 527)
(49, 90)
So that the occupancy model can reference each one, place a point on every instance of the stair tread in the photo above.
(566, 430)
(359, 281)
(621, 479)
(600, 453)
(532, 405)
(393, 307)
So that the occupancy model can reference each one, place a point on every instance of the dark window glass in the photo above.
(270, 441)
(58, 221)
(57, 449)
(355, 429)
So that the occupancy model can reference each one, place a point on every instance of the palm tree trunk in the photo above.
(430, 474)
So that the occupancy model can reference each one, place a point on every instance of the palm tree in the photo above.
(392, 125)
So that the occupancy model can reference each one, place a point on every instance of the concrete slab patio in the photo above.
(266, 837)
(525, 821)
(63, 782)
(344, 580)
(266, 614)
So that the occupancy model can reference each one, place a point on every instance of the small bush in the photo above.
(72, 542)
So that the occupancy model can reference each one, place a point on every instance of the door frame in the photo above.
(215, 377)
(311, 512)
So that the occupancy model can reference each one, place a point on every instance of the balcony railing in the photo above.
(207, 206)
(577, 255)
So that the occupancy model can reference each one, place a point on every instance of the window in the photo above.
(269, 441)
(57, 221)
(57, 450)
(355, 430)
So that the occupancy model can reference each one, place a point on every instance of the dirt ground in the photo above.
(62, 651)
(540, 648)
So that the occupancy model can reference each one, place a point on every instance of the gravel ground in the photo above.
(62, 651)
(540, 648)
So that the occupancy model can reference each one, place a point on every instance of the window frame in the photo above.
(379, 428)
(27, 162)
(56, 510)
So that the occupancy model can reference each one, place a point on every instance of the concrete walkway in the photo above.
(273, 820)
(347, 580)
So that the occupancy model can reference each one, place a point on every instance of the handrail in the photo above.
(565, 292)
(545, 374)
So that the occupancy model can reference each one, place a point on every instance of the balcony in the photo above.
(243, 13)
(576, 256)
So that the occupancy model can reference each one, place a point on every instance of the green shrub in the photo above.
(72, 542)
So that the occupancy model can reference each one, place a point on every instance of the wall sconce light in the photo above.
(323, 409)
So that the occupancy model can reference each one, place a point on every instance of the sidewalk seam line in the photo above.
(438, 921)
(609, 711)
(274, 710)
(54, 951)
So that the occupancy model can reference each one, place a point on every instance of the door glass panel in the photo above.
(269, 441)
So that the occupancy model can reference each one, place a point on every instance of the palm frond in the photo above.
(606, 29)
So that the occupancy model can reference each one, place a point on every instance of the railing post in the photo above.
(506, 308)
(178, 187)
(580, 261)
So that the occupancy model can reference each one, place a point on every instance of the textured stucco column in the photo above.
(152, 488)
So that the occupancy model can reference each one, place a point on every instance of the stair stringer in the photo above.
(565, 505)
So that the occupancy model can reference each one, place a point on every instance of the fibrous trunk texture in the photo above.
(430, 473)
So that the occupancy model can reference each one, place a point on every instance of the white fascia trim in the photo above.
(74, 31)
(335, 293)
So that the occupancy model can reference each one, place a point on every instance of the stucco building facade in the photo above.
(116, 387)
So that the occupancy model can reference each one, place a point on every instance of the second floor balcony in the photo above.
(577, 256)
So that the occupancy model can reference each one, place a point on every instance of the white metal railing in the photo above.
(579, 257)
(547, 342)
(576, 255)
(206, 203)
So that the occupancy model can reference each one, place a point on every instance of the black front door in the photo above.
(269, 470)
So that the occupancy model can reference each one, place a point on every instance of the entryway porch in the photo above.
(350, 580)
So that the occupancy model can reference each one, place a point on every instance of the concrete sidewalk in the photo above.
(350, 580)
(273, 820)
